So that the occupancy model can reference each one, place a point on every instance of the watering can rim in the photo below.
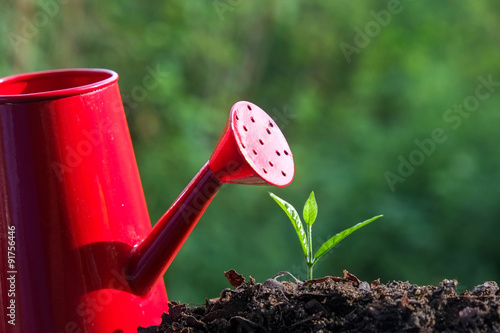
(101, 79)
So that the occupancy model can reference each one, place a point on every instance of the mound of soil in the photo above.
(333, 304)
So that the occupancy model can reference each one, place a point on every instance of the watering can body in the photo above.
(72, 207)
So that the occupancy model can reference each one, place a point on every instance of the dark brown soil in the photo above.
(335, 304)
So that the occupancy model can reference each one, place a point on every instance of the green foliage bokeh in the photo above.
(348, 119)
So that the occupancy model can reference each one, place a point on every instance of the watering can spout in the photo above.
(153, 255)
(251, 150)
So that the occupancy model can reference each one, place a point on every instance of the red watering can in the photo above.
(77, 251)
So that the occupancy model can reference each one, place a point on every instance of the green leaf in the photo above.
(339, 237)
(310, 210)
(295, 219)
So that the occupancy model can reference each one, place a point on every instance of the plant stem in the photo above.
(310, 259)
(309, 271)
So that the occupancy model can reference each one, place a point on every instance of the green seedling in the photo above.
(305, 236)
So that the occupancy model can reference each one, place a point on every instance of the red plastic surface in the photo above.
(70, 187)
(53, 84)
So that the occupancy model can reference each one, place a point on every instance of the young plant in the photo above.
(305, 236)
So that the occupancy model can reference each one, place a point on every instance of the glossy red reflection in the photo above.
(70, 188)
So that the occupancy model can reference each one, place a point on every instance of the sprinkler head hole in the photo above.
(250, 124)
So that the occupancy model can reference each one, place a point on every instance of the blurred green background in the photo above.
(353, 86)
